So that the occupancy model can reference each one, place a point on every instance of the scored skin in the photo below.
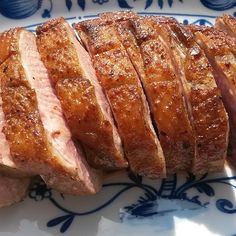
(23, 127)
(208, 110)
(210, 120)
(77, 96)
(152, 61)
(227, 23)
(164, 90)
(8, 41)
(123, 89)
(124, 28)
(220, 50)
(30, 144)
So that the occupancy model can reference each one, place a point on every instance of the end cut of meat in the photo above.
(83, 102)
(124, 91)
(38, 138)
(12, 190)
(205, 108)
(219, 48)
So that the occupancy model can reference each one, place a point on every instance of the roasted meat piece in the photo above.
(126, 97)
(205, 108)
(39, 141)
(12, 190)
(152, 60)
(220, 50)
(83, 102)
(227, 23)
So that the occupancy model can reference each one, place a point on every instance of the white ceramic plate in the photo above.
(127, 205)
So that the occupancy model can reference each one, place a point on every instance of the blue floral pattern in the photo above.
(160, 3)
(201, 21)
(146, 204)
(18, 9)
(100, 1)
(219, 5)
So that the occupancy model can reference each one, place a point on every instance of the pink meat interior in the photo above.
(90, 74)
(49, 107)
(5, 156)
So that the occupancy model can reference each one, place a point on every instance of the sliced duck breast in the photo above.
(38, 137)
(124, 91)
(12, 190)
(227, 23)
(220, 50)
(203, 98)
(152, 60)
(83, 102)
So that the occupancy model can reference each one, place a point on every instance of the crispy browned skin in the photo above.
(210, 120)
(34, 142)
(220, 50)
(123, 89)
(227, 23)
(152, 60)
(126, 32)
(23, 128)
(121, 21)
(8, 44)
(165, 96)
(83, 112)
(118, 16)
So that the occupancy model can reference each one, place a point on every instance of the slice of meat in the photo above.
(119, 16)
(7, 165)
(217, 46)
(83, 102)
(227, 23)
(206, 111)
(38, 137)
(126, 32)
(12, 190)
(152, 60)
(124, 92)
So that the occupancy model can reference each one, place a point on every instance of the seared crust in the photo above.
(152, 61)
(123, 89)
(8, 48)
(23, 129)
(118, 16)
(165, 96)
(220, 50)
(210, 121)
(85, 117)
(124, 27)
(210, 118)
(9, 43)
(31, 139)
(227, 23)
